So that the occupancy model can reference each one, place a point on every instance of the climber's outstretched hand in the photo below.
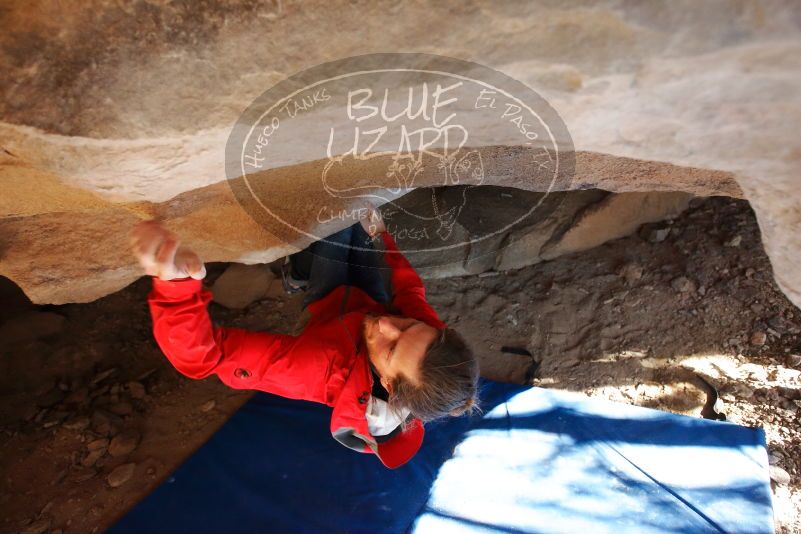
(160, 254)
(373, 222)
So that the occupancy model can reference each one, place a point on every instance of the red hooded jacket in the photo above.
(326, 363)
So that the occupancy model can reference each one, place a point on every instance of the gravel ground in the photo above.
(93, 417)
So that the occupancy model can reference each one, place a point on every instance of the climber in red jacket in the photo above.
(383, 373)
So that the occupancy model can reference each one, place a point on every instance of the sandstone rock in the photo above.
(705, 102)
(120, 475)
(523, 246)
(616, 216)
(124, 443)
(241, 285)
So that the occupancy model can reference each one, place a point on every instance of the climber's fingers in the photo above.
(187, 263)
(160, 254)
(147, 237)
(165, 253)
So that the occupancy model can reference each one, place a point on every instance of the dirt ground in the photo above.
(661, 319)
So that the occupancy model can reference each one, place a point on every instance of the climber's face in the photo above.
(397, 345)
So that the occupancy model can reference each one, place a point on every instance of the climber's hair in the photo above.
(448, 381)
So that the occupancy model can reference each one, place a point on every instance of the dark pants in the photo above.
(345, 258)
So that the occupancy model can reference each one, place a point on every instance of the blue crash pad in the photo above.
(536, 461)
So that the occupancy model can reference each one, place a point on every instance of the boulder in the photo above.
(108, 118)
(615, 216)
(241, 285)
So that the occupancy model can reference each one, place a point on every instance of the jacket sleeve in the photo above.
(408, 292)
(242, 359)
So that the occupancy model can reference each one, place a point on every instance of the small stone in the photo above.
(778, 324)
(682, 284)
(208, 406)
(54, 418)
(241, 285)
(106, 424)
(77, 396)
(99, 377)
(145, 375)
(93, 456)
(793, 360)
(83, 476)
(120, 475)
(125, 443)
(29, 412)
(98, 392)
(657, 236)
(137, 390)
(78, 423)
(101, 423)
(46, 508)
(97, 444)
(743, 391)
(758, 338)
(734, 241)
(122, 408)
(702, 291)
(631, 272)
(39, 526)
(779, 475)
(775, 457)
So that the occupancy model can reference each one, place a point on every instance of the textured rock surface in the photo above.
(240, 285)
(114, 112)
(566, 223)
(614, 217)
